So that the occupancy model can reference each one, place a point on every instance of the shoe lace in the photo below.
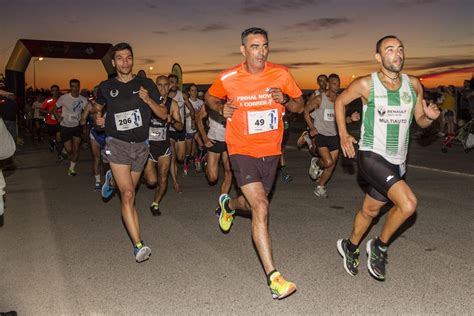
(353, 258)
(379, 256)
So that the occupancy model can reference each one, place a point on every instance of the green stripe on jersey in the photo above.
(369, 118)
(392, 138)
(393, 98)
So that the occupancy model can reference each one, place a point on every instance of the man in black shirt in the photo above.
(129, 102)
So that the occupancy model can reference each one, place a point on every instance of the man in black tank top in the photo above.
(129, 101)
(158, 165)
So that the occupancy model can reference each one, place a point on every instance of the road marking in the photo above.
(441, 170)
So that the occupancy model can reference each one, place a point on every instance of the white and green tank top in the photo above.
(386, 119)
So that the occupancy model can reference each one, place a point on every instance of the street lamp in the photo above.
(149, 70)
(34, 71)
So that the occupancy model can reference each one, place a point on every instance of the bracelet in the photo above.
(429, 118)
(286, 99)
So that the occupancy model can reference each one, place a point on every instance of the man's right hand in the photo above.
(209, 142)
(313, 132)
(347, 145)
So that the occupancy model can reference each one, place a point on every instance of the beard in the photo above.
(392, 67)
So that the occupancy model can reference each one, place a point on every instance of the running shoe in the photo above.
(349, 259)
(286, 178)
(280, 287)
(71, 173)
(141, 252)
(197, 164)
(320, 191)
(301, 140)
(185, 169)
(314, 168)
(107, 189)
(227, 215)
(320, 173)
(218, 211)
(155, 209)
(177, 188)
(97, 186)
(376, 260)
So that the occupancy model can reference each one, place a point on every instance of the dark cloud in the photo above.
(203, 71)
(320, 24)
(186, 28)
(213, 27)
(338, 35)
(144, 61)
(160, 32)
(281, 50)
(426, 63)
(303, 64)
(466, 70)
(407, 3)
(262, 6)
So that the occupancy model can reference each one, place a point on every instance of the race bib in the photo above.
(157, 134)
(125, 121)
(74, 117)
(262, 121)
(329, 115)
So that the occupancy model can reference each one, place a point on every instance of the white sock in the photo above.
(2, 206)
(72, 165)
(97, 177)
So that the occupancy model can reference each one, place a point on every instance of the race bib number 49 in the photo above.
(125, 121)
(262, 121)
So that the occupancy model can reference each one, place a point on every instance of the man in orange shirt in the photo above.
(253, 97)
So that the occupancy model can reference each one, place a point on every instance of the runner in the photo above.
(214, 140)
(192, 137)
(177, 137)
(319, 116)
(391, 99)
(38, 118)
(253, 96)
(158, 165)
(129, 102)
(51, 123)
(72, 105)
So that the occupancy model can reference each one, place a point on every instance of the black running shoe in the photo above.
(218, 211)
(376, 260)
(155, 209)
(349, 259)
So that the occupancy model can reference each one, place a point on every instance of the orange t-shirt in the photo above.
(256, 126)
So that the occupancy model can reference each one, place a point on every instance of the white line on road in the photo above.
(441, 170)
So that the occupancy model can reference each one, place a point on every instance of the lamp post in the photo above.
(34, 71)
(149, 71)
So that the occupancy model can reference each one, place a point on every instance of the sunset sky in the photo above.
(308, 36)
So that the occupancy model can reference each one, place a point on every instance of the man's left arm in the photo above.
(424, 114)
(151, 97)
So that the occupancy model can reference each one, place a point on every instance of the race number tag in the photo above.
(125, 121)
(403, 169)
(262, 121)
(74, 117)
(329, 115)
(157, 134)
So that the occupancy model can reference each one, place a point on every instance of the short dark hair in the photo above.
(334, 76)
(321, 75)
(173, 76)
(54, 86)
(252, 31)
(379, 42)
(119, 47)
(74, 81)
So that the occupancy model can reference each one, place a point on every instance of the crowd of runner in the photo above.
(144, 130)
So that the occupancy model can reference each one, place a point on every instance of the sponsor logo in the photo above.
(114, 93)
(381, 110)
(406, 97)
(390, 177)
(135, 92)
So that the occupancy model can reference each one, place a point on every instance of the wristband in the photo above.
(286, 99)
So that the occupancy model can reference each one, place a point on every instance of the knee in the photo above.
(128, 195)
(260, 212)
(328, 163)
(408, 207)
(212, 176)
(151, 182)
(369, 211)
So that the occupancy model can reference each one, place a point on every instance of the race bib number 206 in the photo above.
(125, 121)
(262, 121)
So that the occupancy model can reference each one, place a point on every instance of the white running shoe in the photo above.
(320, 191)
(314, 168)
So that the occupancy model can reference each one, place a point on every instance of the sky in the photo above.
(308, 36)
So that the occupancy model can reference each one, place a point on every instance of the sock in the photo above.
(97, 177)
(380, 244)
(351, 246)
(72, 165)
(139, 245)
(269, 276)
(153, 204)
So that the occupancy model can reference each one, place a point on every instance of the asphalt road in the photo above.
(65, 251)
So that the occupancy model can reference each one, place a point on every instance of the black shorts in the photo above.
(379, 173)
(67, 133)
(177, 136)
(218, 147)
(158, 149)
(331, 142)
(52, 129)
(249, 169)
